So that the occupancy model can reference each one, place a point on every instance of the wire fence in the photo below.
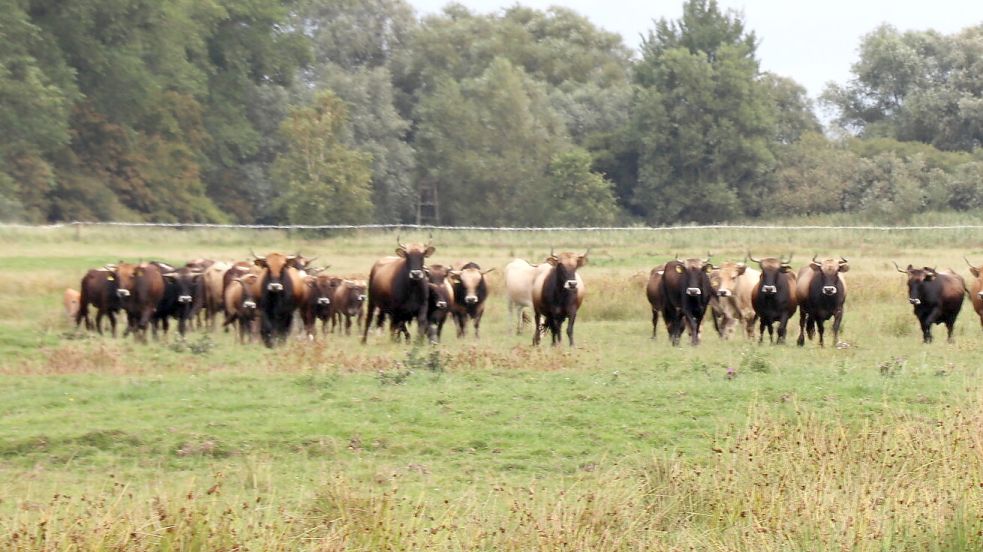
(196, 225)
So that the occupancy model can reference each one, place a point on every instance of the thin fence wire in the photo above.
(196, 225)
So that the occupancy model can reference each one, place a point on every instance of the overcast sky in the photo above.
(812, 42)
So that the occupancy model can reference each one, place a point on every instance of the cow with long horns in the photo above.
(557, 294)
(282, 290)
(774, 297)
(976, 289)
(686, 295)
(399, 289)
(936, 297)
(821, 293)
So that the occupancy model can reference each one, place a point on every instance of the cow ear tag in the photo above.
(679, 269)
(110, 278)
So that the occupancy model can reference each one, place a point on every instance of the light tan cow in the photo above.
(214, 287)
(976, 288)
(519, 276)
(732, 284)
(70, 300)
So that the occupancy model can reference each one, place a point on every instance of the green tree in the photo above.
(575, 195)
(323, 180)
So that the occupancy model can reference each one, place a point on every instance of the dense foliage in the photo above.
(347, 111)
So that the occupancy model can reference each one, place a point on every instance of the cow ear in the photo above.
(973, 270)
(844, 267)
(741, 269)
(785, 268)
(815, 266)
(552, 260)
(929, 276)
(260, 263)
(138, 271)
(708, 268)
(429, 251)
(400, 252)
(581, 260)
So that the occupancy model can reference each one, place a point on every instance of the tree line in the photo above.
(354, 111)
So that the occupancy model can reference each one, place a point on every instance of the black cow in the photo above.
(182, 296)
(557, 294)
(282, 291)
(821, 294)
(937, 298)
(399, 288)
(774, 298)
(686, 294)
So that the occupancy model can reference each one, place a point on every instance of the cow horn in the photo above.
(551, 251)
(399, 243)
(969, 263)
(899, 268)
(843, 260)
(752, 258)
(814, 258)
(255, 256)
(429, 239)
(311, 260)
(586, 252)
(709, 256)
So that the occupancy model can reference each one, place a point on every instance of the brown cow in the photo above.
(686, 294)
(653, 290)
(774, 298)
(937, 297)
(99, 289)
(214, 288)
(440, 301)
(141, 287)
(398, 287)
(469, 294)
(282, 291)
(348, 301)
(821, 293)
(557, 294)
(70, 301)
(317, 305)
(240, 305)
(976, 289)
(732, 283)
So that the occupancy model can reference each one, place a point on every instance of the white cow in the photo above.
(519, 276)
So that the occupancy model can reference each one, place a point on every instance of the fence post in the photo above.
(78, 230)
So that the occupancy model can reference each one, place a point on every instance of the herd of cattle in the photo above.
(264, 295)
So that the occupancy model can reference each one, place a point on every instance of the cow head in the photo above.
(414, 254)
(355, 289)
(125, 275)
(695, 275)
(565, 266)
(323, 287)
(471, 278)
(975, 271)
(724, 278)
(248, 300)
(275, 265)
(828, 274)
(917, 278)
(772, 270)
(185, 279)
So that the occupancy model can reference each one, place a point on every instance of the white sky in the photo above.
(812, 42)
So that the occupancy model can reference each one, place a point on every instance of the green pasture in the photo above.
(336, 445)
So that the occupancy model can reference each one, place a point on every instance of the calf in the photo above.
(70, 301)
(821, 293)
(348, 301)
(240, 305)
(653, 290)
(976, 290)
(774, 298)
(99, 289)
(686, 294)
(470, 292)
(440, 303)
(936, 297)
(732, 284)
(557, 294)
(318, 305)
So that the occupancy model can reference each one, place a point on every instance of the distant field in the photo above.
(623, 443)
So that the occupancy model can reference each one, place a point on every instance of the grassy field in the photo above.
(620, 444)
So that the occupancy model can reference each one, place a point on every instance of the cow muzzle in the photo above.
(184, 299)
(769, 289)
(724, 293)
(914, 301)
(980, 295)
(471, 299)
(249, 304)
(694, 292)
(570, 284)
(441, 304)
(829, 290)
(122, 293)
(323, 301)
(273, 286)
(416, 275)
(361, 297)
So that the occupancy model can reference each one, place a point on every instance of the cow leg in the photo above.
(694, 323)
(477, 322)
(782, 327)
(368, 320)
(802, 328)
(556, 330)
(927, 322)
(761, 332)
(821, 328)
(573, 318)
(460, 322)
(837, 320)
(950, 322)
(535, 332)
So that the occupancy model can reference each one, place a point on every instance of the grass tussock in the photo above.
(796, 482)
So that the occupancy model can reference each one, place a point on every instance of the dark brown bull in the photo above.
(348, 302)
(976, 289)
(98, 288)
(282, 291)
(399, 289)
(821, 293)
(686, 295)
(182, 298)
(440, 302)
(774, 298)
(557, 294)
(653, 290)
(470, 292)
(240, 305)
(937, 298)
(141, 288)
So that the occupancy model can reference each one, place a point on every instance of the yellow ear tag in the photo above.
(679, 269)
(110, 278)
